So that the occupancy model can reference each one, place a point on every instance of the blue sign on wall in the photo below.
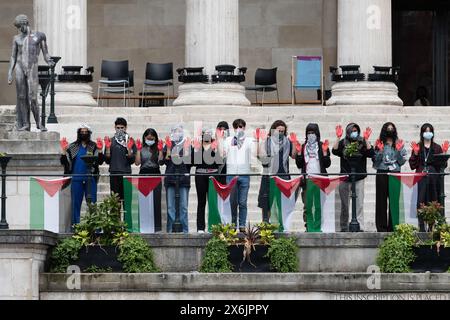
(308, 72)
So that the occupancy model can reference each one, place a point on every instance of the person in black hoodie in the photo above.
(120, 153)
(364, 148)
(313, 158)
(177, 160)
(423, 160)
(71, 159)
(207, 163)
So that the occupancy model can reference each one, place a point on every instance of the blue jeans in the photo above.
(171, 208)
(239, 197)
(78, 192)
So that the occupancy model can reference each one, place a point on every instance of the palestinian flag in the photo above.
(142, 204)
(45, 203)
(282, 198)
(403, 191)
(219, 205)
(320, 203)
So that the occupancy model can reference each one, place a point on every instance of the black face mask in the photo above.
(85, 137)
(390, 134)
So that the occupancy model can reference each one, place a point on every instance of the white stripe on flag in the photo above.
(288, 206)
(51, 212)
(224, 207)
(146, 214)
(327, 203)
(410, 204)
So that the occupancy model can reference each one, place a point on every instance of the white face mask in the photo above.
(312, 138)
(428, 135)
(150, 142)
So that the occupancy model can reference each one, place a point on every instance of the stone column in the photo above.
(365, 39)
(65, 24)
(212, 38)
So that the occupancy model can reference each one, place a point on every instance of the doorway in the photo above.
(421, 49)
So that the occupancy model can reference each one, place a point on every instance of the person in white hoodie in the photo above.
(237, 149)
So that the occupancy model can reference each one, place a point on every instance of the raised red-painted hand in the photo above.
(64, 144)
(138, 144)
(339, 131)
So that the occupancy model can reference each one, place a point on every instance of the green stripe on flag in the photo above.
(36, 205)
(131, 206)
(396, 204)
(276, 214)
(313, 207)
(213, 209)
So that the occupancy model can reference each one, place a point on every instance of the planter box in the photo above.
(257, 258)
(428, 259)
(101, 257)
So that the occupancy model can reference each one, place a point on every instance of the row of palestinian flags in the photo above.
(142, 206)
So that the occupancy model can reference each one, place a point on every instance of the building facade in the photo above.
(410, 34)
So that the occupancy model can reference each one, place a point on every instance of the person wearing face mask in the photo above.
(353, 134)
(205, 159)
(313, 158)
(148, 155)
(222, 132)
(422, 160)
(71, 159)
(120, 152)
(390, 155)
(274, 151)
(177, 159)
(237, 150)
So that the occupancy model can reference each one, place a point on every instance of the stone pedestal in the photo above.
(33, 153)
(212, 38)
(365, 93)
(211, 94)
(365, 39)
(22, 258)
(74, 94)
(65, 24)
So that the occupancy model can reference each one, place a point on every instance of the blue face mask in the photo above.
(354, 135)
(149, 142)
(428, 135)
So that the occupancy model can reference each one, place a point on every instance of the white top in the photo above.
(238, 160)
(313, 166)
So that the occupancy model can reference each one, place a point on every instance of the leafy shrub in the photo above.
(396, 253)
(216, 257)
(283, 255)
(136, 256)
(65, 252)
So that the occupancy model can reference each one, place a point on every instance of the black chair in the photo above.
(265, 81)
(119, 79)
(158, 75)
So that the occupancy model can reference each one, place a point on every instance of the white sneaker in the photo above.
(200, 231)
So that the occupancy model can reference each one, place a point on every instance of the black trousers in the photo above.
(116, 186)
(201, 185)
(383, 217)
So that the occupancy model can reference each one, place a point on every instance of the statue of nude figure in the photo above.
(24, 59)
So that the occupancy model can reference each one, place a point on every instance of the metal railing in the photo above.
(354, 225)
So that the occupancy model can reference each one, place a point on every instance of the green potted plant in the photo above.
(405, 251)
(430, 214)
(101, 242)
(256, 250)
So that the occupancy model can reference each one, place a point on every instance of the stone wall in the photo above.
(295, 286)
(154, 31)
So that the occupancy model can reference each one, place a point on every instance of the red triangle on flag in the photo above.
(327, 184)
(224, 190)
(287, 187)
(410, 179)
(52, 186)
(145, 185)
